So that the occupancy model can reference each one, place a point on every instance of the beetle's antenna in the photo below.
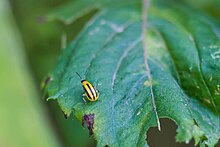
(86, 72)
(79, 75)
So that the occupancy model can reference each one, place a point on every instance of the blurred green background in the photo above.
(29, 48)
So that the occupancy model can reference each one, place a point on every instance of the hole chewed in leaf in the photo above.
(166, 137)
(89, 121)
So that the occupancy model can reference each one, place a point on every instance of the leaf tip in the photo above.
(65, 115)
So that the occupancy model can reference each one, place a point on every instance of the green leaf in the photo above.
(184, 58)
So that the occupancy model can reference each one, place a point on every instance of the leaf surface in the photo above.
(184, 58)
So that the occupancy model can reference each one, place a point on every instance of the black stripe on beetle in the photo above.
(93, 96)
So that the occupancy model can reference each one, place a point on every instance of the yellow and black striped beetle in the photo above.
(91, 92)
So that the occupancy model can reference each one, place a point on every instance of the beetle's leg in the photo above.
(97, 91)
(84, 97)
(84, 100)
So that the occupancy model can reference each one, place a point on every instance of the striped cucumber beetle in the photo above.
(91, 92)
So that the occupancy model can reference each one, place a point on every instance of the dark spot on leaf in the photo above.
(47, 80)
(43, 86)
(203, 138)
(106, 146)
(89, 121)
(195, 122)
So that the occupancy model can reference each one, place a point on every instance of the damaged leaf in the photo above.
(184, 48)
(89, 121)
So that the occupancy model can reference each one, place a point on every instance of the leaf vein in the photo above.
(145, 48)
